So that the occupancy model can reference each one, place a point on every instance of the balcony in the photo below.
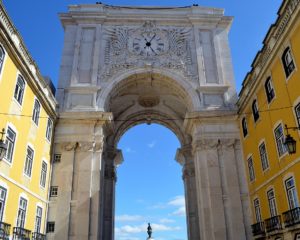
(38, 236)
(273, 224)
(291, 217)
(4, 230)
(258, 229)
(21, 233)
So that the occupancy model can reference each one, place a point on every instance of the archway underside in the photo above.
(148, 98)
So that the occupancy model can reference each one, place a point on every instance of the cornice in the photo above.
(16, 46)
(99, 13)
(286, 16)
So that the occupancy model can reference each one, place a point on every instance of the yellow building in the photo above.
(27, 114)
(269, 100)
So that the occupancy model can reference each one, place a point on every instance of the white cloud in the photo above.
(129, 218)
(152, 144)
(177, 201)
(166, 220)
(179, 212)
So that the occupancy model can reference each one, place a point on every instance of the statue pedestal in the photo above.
(150, 238)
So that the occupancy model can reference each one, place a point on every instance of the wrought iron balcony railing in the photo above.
(291, 217)
(21, 233)
(38, 236)
(258, 229)
(273, 223)
(4, 230)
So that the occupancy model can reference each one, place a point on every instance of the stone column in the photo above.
(231, 190)
(65, 177)
(209, 190)
(112, 158)
(185, 158)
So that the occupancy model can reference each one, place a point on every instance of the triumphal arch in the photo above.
(123, 66)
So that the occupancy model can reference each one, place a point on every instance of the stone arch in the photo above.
(177, 78)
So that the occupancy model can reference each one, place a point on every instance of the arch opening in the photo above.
(148, 167)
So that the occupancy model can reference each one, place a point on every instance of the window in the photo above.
(29, 161)
(57, 158)
(280, 140)
(19, 90)
(255, 110)
(49, 129)
(2, 202)
(38, 219)
(291, 193)
(36, 112)
(22, 213)
(251, 169)
(43, 174)
(297, 111)
(244, 126)
(2, 55)
(263, 156)
(297, 236)
(10, 141)
(272, 203)
(269, 90)
(50, 227)
(257, 210)
(53, 191)
(288, 62)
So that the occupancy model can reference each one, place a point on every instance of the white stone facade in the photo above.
(123, 66)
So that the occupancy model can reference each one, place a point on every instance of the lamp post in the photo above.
(290, 142)
(3, 145)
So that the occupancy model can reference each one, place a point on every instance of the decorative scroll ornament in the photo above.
(148, 45)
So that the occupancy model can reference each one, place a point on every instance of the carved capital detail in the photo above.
(206, 144)
(86, 146)
(227, 142)
(188, 172)
(68, 146)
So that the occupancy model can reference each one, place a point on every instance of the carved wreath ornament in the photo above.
(148, 45)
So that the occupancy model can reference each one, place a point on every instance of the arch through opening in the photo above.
(148, 167)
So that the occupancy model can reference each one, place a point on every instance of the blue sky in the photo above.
(149, 187)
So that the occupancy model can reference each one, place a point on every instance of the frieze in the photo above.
(148, 45)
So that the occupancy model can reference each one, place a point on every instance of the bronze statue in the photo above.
(149, 230)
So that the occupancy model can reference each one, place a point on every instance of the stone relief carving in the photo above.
(148, 45)
(68, 146)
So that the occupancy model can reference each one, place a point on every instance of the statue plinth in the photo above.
(150, 238)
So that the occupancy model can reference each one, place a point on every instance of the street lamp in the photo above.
(290, 142)
(3, 145)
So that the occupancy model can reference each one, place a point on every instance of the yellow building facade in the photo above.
(269, 101)
(27, 114)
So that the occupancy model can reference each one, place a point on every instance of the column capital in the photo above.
(184, 154)
(227, 142)
(188, 171)
(206, 144)
(68, 146)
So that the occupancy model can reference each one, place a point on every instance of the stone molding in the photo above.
(188, 171)
(69, 146)
(205, 144)
(82, 146)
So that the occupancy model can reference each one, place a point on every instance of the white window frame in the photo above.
(10, 142)
(279, 140)
(21, 214)
(257, 210)
(29, 162)
(43, 177)
(38, 219)
(3, 197)
(251, 170)
(263, 156)
(49, 129)
(269, 89)
(244, 127)
(255, 110)
(297, 113)
(2, 60)
(36, 111)
(291, 192)
(272, 202)
(286, 63)
(19, 89)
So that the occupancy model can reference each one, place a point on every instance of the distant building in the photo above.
(27, 113)
(269, 100)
